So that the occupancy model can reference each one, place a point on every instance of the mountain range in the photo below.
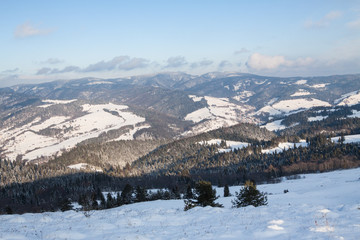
(40, 121)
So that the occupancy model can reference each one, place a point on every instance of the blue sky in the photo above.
(48, 40)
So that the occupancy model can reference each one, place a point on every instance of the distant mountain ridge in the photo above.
(166, 106)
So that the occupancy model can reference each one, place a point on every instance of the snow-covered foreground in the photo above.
(317, 206)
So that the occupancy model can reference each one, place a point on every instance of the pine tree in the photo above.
(126, 194)
(65, 205)
(140, 194)
(226, 191)
(189, 193)
(109, 201)
(205, 195)
(249, 195)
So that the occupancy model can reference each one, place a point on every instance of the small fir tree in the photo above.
(249, 195)
(205, 195)
(226, 191)
(109, 201)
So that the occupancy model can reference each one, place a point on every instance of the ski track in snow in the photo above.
(317, 206)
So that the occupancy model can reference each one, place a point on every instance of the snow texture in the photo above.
(274, 126)
(317, 206)
(80, 166)
(284, 146)
(355, 114)
(301, 82)
(317, 118)
(348, 139)
(300, 92)
(321, 85)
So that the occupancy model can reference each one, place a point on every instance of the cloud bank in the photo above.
(258, 61)
(175, 62)
(124, 63)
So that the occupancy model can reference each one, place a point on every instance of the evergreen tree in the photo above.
(249, 195)
(118, 199)
(205, 195)
(65, 205)
(140, 194)
(126, 194)
(109, 201)
(189, 194)
(226, 191)
(8, 210)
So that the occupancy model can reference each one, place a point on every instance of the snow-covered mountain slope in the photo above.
(171, 105)
(349, 99)
(43, 137)
(316, 206)
(219, 112)
(288, 106)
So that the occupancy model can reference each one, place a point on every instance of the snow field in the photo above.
(348, 138)
(317, 206)
(274, 126)
(284, 146)
(232, 145)
(317, 118)
(287, 106)
(80, 166)
(349, 99)
(301, 82)
(355, 114)
(27, 141)
(300, 92)
(219, 113)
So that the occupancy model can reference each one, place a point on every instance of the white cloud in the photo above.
(121, 63)
(175, 62)
(27, 29)
(258, 61)
(133, 63)
(124, 63)
(324, 21)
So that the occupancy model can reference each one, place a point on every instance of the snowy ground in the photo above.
(317, 206)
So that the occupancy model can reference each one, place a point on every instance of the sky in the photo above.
(51, 40)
